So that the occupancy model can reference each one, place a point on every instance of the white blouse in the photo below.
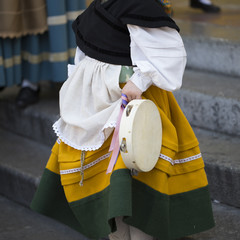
(90, 99)
(159, 56)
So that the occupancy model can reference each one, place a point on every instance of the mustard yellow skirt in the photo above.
(169, 202)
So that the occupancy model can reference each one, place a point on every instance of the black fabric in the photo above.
(101, 31)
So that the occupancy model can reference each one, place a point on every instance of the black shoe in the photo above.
(205, 7)
(2, 88)
(27, 96)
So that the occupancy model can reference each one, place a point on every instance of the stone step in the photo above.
(23, 160)
(18, 222)
(34, 122)
(211, 101)
(210, 53)
(227, 225)
(221, 154)
(211, 40)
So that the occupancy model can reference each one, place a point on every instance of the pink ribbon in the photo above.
(114, 146)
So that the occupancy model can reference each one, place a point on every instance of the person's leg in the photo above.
(122, 233)
(137, 234)
(27, 83)
(205, 5)
(29, 94)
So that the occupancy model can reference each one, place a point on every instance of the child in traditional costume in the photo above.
(131, 47)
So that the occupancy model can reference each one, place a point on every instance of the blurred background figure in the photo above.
(205, 5)
(36, 43)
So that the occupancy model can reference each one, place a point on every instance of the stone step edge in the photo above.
(210, 31)
(208, 51)
(208, 101)
(211, 56)
(34, 122)
(17, 186)
(209, 112)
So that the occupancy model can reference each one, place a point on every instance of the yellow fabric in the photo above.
(179, 144)
(177, 132)
(190, 175)
(95, 178)
(180, 168)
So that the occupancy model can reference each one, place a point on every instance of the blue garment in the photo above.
(42, 56)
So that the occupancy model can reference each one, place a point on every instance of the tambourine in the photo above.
(140, 135)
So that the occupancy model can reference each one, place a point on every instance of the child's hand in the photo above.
(132, 91)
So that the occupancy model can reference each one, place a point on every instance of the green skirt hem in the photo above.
(159, 215)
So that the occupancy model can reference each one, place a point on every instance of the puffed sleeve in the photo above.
(159, 56)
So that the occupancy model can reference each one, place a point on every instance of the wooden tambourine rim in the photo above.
(131, 146)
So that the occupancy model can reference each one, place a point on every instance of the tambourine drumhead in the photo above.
(140, 135)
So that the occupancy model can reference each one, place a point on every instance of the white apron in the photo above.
(90, 101)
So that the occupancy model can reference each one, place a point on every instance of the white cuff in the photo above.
(142, 81)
